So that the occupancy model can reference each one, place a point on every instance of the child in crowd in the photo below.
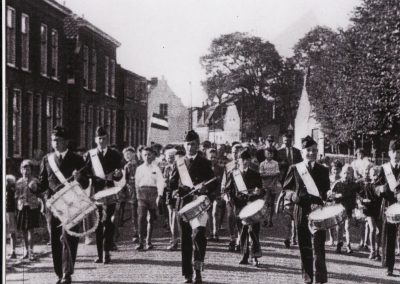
(371, 202)
(130, 170)
(345, 192)
(269, 171)
(28, 211)
(10, 213)
(336, 168)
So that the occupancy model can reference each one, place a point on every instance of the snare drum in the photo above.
(326, 217)
(71, 205)
(195, 208)
(393, 213)
(253, 212)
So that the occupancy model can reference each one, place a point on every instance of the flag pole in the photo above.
(149, 130)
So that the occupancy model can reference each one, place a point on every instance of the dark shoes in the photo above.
(237, 248)
(173, 247)
(188, 280)
(339, 247)
(198, 278)
(12, 256)
(107, 259)
(244, 261)
(98, 260)
(135, 240)
(66, 280)
(231, 246)
(287, 243)
(149, 246)
(389, 273)
(139, 247)
(255, 262)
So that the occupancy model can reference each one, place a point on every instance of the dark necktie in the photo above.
(101, 154)
(60, 158)
(289, 155)
(310, 166)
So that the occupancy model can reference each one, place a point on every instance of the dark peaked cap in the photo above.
(307, 142)
(394, 145)
(245, 155)
(192, 135)
(101, 131)
(60, 131)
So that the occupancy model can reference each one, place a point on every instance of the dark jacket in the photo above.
(388, 195)
(48, 181)
(285, 162)
(110, 162)
(303, 199)
(199, 171)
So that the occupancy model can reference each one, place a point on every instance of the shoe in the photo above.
(188, 280)
(361, 246)
(237, 248)
(255, 262)
(339, 247)
(366, 248)
(216, 238)
(287, 243)
(378, 257)
(25, 256)
(231, 246)
(172, 247)
(139, 247)
(66, 280)
(113, 247)
(107, 259)
(198, 278)
(331, 242)
(12, 256)
(244, 261)
(348, 249)
(135, 240)
(98, 260)
(32, 257)
(372, 255)
(294, 242)
(389, 273)
(149, 246)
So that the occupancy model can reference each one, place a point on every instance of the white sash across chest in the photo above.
(186, 180)
(307, 179)
(96, 164)
(55, 169)
(238, 178)
(391, 179)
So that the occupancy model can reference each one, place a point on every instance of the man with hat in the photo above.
(240, 197)
(310, 181)
(200, 171)
(230, 211)
(104, 168)
(56, 169)
(388, 183)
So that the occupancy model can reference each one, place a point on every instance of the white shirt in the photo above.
(394, 164)
(360, 166)
(102, 150)
(191, 157)
(149, 175)
(312, 164)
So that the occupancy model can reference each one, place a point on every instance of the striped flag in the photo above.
(159, 122)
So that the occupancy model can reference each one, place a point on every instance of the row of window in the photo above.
(11, 32)
(30, 110)
(134, 131)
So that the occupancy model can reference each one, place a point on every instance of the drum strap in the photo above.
(55, 169)
(186, 180)
(391, 179)
(240, 185)
(307, 179)
(97, 167)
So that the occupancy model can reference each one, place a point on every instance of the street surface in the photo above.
(278, 264)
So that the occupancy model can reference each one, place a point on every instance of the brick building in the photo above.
(62, 70)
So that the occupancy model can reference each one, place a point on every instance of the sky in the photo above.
(166, 38)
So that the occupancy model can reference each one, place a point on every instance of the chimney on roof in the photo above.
(154, 81)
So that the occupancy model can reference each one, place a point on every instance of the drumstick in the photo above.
(197, 187)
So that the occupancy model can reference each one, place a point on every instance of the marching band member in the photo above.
(149, 184)
(230, 210)
(104, 167)
(55, 169)
(310, 181)
(199, 170)
(253, 187)
(389, 177)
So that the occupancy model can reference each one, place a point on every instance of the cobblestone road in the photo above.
(278, 265)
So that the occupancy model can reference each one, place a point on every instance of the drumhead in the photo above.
(326, 212)
(251, 208)
(393, 209)
(194, 203)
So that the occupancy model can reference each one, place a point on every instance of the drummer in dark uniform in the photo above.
(252, 180)
(61, 164)
(104, 167)
(388, 182)
(193, 241)
(308, 197)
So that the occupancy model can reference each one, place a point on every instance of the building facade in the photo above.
(163, 101)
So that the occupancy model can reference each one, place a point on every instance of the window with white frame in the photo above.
(49, 119)
(164, 110)
(37, 123)
(59, 111)
(85, 66)
(54, 53)
(106, 75)
(10, 34)
(17, 123)
(94, 70)
(25, 42)
(113, 78)
(43, 49)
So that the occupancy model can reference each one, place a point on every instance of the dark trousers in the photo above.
(63, 248)
(190, 238)
(250, 232)
(146, 228)
(105, 230)
(391, 230)
(312, 251)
